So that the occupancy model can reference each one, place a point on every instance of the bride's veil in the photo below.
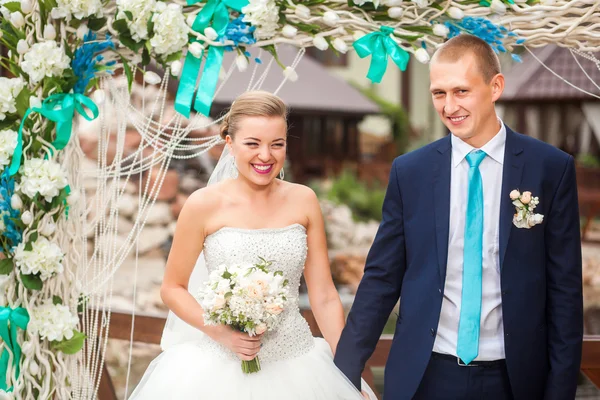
(176, 330)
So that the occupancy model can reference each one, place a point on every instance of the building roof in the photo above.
(531, 81)
(316, 90)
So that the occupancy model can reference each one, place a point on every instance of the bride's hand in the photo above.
(365, 395)
(246, 347)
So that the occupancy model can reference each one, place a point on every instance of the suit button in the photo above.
(504, 292)
(432, 332)
(440, 290)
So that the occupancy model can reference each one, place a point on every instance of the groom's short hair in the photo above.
(455, 48)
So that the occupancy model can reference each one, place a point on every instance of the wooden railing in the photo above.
(148, 329)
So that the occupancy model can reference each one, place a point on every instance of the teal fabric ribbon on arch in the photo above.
(67, 104)
(11, 320)
(379, 45)
(217, 12)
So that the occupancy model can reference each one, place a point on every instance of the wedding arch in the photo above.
(58, 61)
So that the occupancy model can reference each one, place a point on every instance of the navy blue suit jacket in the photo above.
(541, 280)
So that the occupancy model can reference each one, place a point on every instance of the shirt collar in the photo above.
(494, 148)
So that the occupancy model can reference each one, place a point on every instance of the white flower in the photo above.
(421, 3)
(289, 31)
(49, 32)
(340, 45)
(392, 3)
(26, 6)
(264, 15)
(514, 195)
(498, 7)
(176, 68)
(27, 218)
(82, 31)
(330, 18)
(45, 59)
(6, 395)
(15, 202)
(456, 13)
(196, 48)
(441, 30)
(44, 258)
(2, 226)
(210, 33)
(151, 78)
(422, 56)
(320, 43)
(395, 12)
(141, 11)
(535, 219)
(170, 30)
(357, 35)
(73, 198)
(34, 368)
(45, 177)
(8, 144)
(290, 74)
(242, 62)
(52, 322)
(49, 228)
(79, 9)
(27, 348)
(35, 102)
(17, 20)
(302, 11)
(22, 46)
(99, 96)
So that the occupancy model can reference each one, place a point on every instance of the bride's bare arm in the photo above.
(323, 296)
(187, 245)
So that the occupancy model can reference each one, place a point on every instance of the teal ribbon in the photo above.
(59, 108)
(10, 321)
(379, 45)
(217, 12)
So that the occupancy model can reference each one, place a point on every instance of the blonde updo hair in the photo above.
(255, 103)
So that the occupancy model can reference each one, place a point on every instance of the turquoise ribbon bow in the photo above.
(379, 45)
(68, 103)
(10, 321)
(215, 11)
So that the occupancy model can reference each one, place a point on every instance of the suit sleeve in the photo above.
(564, 299)
(379, 289)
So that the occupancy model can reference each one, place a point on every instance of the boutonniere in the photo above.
(525, 203)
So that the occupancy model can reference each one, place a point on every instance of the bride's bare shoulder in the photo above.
(301, 194)
(207, 199)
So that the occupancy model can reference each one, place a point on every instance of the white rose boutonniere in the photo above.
(524, 204)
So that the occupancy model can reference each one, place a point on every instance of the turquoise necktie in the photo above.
(467, 347)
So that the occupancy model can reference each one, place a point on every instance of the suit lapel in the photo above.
(441, 192)
(511, 179)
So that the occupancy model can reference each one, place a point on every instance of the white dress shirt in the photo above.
(491, 335)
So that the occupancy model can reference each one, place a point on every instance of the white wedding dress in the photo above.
(294, 364)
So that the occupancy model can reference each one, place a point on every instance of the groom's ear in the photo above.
(497, 85)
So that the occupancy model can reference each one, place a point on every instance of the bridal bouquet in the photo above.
(247, 297)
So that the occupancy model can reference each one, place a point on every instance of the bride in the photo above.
(245, 213)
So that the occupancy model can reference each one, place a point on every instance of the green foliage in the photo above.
(6, 266)
(588, 160)
(70, 346)
(32, 282)
(365, 202)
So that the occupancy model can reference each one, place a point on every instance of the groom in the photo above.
(490, 308)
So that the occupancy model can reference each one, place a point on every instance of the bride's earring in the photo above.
(233, 171)
(281, 174)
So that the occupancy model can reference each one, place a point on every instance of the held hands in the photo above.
(246, 347)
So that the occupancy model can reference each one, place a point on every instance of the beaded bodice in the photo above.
(286, 248)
